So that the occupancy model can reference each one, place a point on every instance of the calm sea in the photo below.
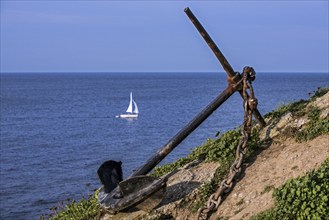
(57, 129)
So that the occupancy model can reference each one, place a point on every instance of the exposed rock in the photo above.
(285, 119)
(324, 113)
(322, 102)
(281, 159)
(300, 122)
(275, 128)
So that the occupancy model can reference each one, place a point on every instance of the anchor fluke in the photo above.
(144, 192)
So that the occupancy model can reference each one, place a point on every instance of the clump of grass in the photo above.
(198, 153)
(167, 168)
(267, 189)
(86, 209)
(221, 149)
(315, 126)
(238, 211)
(240, 202)
(297, 108)
(269, 214)
(319, 92)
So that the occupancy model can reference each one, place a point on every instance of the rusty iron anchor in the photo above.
(146, 192)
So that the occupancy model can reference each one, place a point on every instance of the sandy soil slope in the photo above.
(280, 159)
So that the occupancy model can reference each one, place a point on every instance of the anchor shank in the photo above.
(227, 67)
(183, 133)
(223, 61)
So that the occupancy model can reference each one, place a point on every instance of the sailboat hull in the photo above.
(128, 116)
(132, 110)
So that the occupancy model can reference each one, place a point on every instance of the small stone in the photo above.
(253, 195)
(324, 113)
(301, 122)
(284, 120)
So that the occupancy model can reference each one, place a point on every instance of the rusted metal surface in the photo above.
(232, 76)
(133, 191)
(227, 67)
(137, 188)
(115, 201)
(249, 105)
(183, 133)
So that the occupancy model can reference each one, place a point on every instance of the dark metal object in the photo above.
(227, 67)
(110, 174)
(112, 203)
(134, 190)
(183, 133)
(137, 187)
(232, 76)
(249, 105)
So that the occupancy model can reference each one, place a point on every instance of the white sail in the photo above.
(135, 108)
(132, 110)
(130, 107)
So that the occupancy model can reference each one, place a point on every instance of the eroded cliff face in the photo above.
(278, 159)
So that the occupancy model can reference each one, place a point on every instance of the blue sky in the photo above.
(138, 36)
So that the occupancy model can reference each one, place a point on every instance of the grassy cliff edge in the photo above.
(301, 197)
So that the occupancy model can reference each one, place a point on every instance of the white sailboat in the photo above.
(132, 110)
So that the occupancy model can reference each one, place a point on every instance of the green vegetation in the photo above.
(209, 188)
(319, 92)
(269, 214)
(86, 209)
(296, 108)
(305, 197)
(315, 126)
(223, 151)
(267, 189)
(302, 198)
